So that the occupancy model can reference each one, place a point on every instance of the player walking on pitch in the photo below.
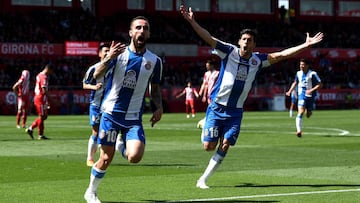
(21, 88)
(239, 67)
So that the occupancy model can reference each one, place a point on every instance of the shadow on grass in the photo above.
(222, 201)
(297, 185)
(153, 165)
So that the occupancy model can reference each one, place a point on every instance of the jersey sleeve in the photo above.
(156, 79)
(222, 49)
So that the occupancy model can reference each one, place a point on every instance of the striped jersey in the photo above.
(41, 84)
(210, 78)
(306, 81)
(96, 96)
(23, 83)
(127, 82)
(237, 75)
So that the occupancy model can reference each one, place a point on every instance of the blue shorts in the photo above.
(293, 99)
(111, 126)
(222, 122)
(94, 115)
(306, 102)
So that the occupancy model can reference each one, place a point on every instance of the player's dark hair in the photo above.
(251, 32)
(103, 45)
(139, 18)
(307, 62)
(210, 61)
(49, 66)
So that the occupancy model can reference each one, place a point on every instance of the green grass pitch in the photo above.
(268, 163)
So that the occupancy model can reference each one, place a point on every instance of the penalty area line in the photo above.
(270, 195)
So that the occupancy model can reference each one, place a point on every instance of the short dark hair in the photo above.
(139, 18)
(307, 62)
(210, 61)
(103, 45)
(251, 32)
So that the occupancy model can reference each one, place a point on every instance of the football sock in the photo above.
(95, 178)
(291, 113)
(298, 122)
(214, 163)
(92, 147)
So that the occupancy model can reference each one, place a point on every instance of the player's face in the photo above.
(247, 44)
(103, 52)
(303, 66)
(139, 33)
(208, 66)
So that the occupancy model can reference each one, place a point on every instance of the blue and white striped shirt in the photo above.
(127, 82)
(237, 75)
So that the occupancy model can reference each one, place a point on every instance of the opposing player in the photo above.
(135, 67)
(21, 88)
(96, 96)
(239, 67)
(41, 102)
(190, 94)
(308, 82)
(210, 77)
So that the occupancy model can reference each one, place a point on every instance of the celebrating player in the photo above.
(133, 67)
(239, 67)
(96, 95)
(308, 82)
(21, 88)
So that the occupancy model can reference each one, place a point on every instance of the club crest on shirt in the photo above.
(148, 65)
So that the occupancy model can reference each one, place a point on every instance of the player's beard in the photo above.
(140, 42)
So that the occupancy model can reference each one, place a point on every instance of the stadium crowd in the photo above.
(59, 26)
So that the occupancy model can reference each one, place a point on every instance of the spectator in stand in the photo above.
(190, 94)
(307, 82)
(21, 88)
(41, 102)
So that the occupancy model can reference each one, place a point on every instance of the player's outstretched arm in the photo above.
(204, 34)
(292, 51)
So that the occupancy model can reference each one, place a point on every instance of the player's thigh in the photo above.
(135, 140)
(108, 131)
(212, 129)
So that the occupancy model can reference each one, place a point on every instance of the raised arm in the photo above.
(204, 34)
(292, 51)
(115, 50)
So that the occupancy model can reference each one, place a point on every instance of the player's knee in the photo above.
(210, 146)
(134, 158)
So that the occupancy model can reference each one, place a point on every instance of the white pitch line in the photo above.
(270, 195)
(341, 131)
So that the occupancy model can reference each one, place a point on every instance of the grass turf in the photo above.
(268, 163)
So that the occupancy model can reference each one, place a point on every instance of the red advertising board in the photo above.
(76, 48)
(31, 49)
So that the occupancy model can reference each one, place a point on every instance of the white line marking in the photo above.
(341, 131)
(270, 195)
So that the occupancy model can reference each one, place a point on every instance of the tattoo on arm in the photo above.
(156, 96)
